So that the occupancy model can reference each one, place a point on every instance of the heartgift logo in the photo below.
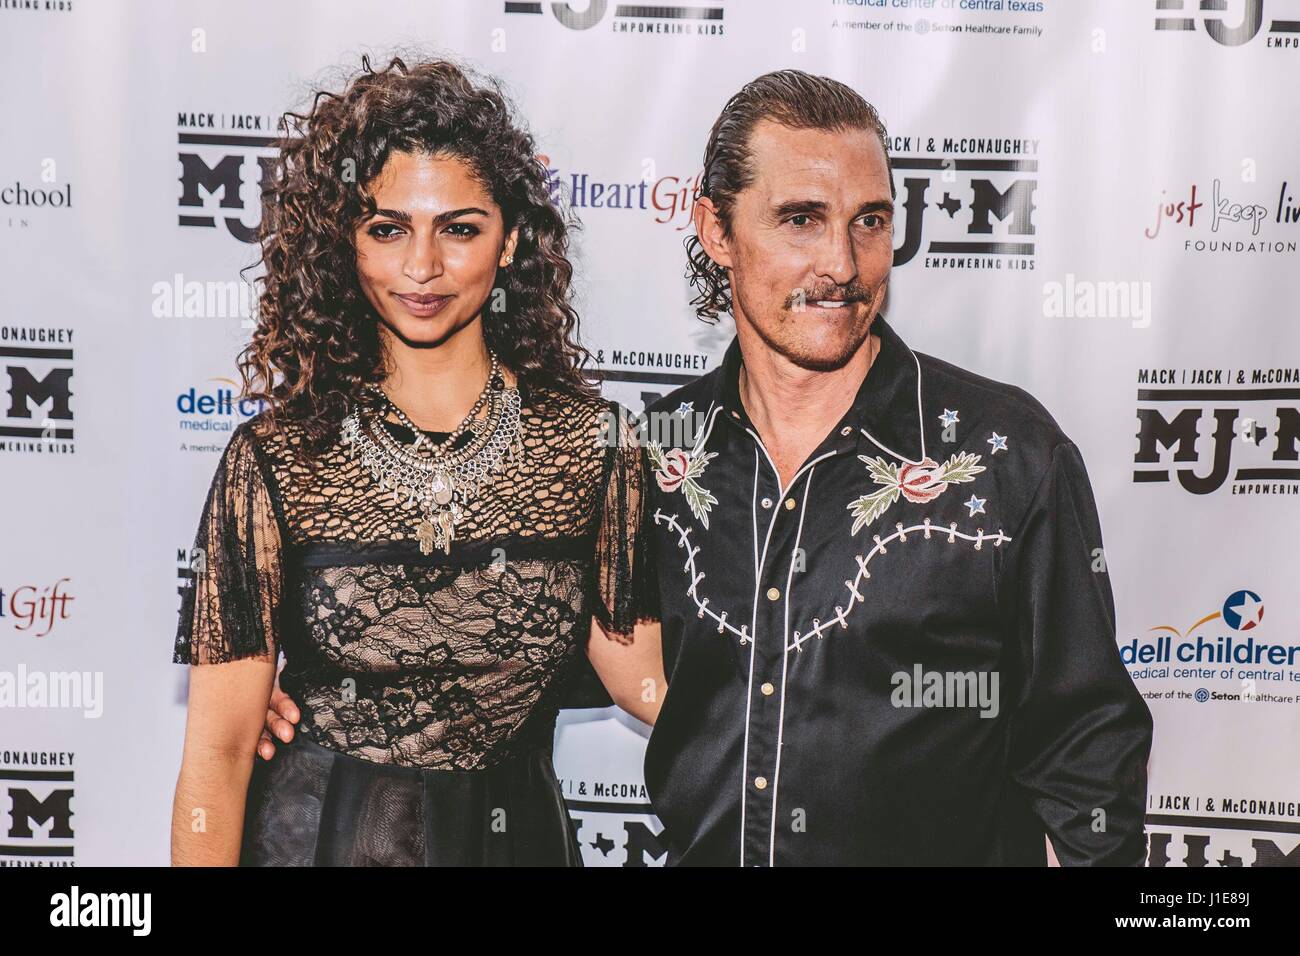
(33, 609)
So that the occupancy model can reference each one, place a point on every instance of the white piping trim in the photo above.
(776, 471)
(920, 419)
(753, 621)
(841, 614)
(744, 763)
(683, 541)
(749, 688)
(753, 644)
(785, 662)
(754, 513)
(709, 417)
(900, 535)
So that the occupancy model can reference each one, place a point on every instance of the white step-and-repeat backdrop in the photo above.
(1100, 202)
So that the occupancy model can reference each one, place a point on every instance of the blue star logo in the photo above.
(1243, 610)
(948, 418)
(999, 443)
(685, 408)
(976, 506)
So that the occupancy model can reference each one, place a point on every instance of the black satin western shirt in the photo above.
(907, 656)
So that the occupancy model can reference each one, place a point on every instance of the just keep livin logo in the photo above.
(1252, 425)
(965, 202)
(1212, 15)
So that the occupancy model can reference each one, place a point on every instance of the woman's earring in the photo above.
(510, 259)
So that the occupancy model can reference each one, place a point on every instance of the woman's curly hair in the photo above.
(317, 346)
(792, 98)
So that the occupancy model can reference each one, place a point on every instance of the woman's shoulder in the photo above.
(259, 430)
(279, 440)
(579, 422)
(567, 406)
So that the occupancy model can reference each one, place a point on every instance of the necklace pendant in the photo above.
(447, 527)
(442, 488)
(425, 532)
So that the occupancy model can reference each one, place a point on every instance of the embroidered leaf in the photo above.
(699, 499)
(881, 471)
(870, 507)
(695, 466)
(656, 453)
(962, 466)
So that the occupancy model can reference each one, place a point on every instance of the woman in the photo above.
(429, 519)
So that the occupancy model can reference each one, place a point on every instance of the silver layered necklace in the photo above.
(438, 477)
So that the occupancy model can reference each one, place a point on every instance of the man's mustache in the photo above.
(849, 293)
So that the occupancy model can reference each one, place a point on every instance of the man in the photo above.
(887, 626)
(886, 623)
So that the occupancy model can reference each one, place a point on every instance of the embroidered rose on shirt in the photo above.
(675, 469)
(921, 482)
(918, 482)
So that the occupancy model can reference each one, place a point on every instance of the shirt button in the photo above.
(767, 502)
(760, 783)
(767, 690)
(789, 504)
(773, 594)
(846, 430)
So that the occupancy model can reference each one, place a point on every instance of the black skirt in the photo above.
(311, 806)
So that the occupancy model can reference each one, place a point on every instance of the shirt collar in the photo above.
(887, 406)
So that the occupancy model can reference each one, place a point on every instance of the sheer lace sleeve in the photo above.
(625, 588)
(232, 609)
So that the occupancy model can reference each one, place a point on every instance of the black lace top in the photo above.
(450, 661)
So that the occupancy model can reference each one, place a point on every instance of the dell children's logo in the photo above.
(218, 408)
